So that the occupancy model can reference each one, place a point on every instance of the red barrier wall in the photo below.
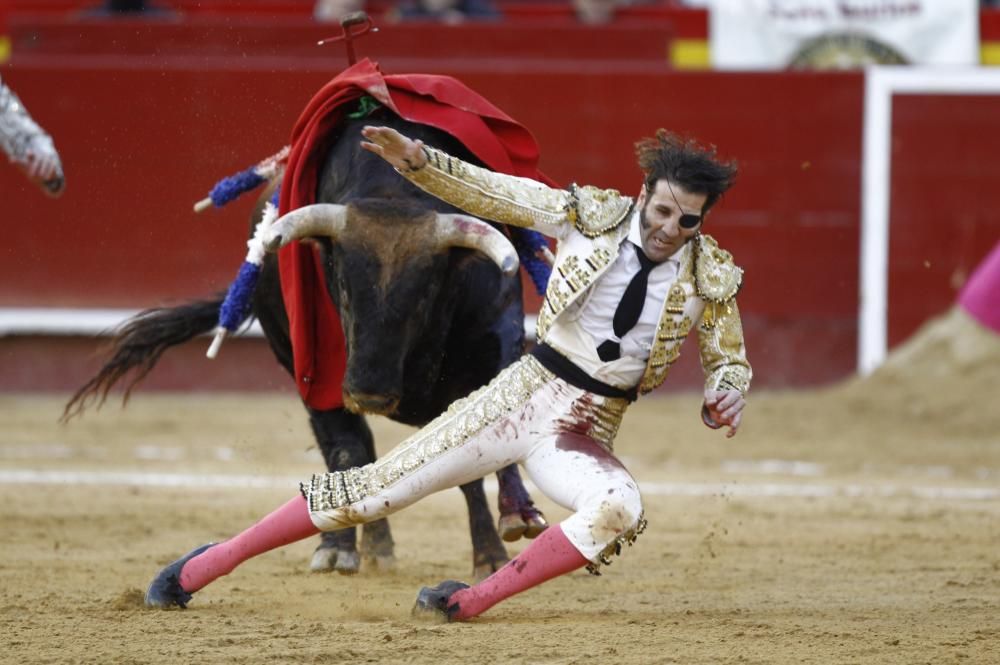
(944, 217)
(144, 136)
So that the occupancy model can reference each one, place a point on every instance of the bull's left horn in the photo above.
(320, 219)
(466, 231)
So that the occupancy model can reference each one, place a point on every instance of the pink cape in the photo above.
(980, 296)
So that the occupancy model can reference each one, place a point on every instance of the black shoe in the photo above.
(165, 590)
(433, 601)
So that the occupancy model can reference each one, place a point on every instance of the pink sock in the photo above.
(549, 555)
(285, 525)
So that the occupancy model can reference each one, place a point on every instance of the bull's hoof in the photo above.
(323, 560)
(348, 562)
(535, 522)
(526, 524)
(512, 527)
(481, 571)
(165, 590)
(432, 602)
(326, 559)
(383, 562)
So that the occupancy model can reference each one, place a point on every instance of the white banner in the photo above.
(840, 34)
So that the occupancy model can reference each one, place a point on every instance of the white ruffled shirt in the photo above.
(582, 326)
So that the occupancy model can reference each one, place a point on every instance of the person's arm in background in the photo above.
(28, 145)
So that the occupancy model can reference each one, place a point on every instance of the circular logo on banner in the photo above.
(844, 50)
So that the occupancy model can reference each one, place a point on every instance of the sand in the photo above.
(854, 524)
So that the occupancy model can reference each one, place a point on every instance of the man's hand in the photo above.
(400, 151)
(723, 407)
(41, 165)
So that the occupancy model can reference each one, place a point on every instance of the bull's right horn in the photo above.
(467, 231)
(319, 219)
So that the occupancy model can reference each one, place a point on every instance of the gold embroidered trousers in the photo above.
(560, 434)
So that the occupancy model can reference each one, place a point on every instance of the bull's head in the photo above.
(385, 264)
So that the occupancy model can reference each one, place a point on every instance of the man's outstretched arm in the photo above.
(495, 196)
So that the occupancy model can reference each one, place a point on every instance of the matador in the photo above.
(631, 279)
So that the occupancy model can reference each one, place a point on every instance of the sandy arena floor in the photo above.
(857, 524)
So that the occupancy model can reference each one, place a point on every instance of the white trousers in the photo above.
(560, 434)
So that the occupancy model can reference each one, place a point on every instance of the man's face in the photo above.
(660, 215)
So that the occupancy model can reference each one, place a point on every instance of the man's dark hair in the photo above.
(685, 162)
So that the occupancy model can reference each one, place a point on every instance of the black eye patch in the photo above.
(689, 221)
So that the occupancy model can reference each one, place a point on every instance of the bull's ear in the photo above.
(467, 231)
(320, 219)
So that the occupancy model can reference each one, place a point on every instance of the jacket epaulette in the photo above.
(717, 278)
(595, 211)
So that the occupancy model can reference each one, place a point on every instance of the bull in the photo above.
(427, 318)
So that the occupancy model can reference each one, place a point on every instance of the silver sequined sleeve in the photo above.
(18, 132)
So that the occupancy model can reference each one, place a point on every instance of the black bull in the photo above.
(424, 326)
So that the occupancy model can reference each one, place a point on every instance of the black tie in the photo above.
(629, 309)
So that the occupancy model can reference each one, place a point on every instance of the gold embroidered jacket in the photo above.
(590, 224)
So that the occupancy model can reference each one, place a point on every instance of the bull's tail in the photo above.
(137, 346)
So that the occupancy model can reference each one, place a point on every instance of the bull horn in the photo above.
(466, 231)
(319, 219)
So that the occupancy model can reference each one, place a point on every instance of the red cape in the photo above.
(439, 101)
